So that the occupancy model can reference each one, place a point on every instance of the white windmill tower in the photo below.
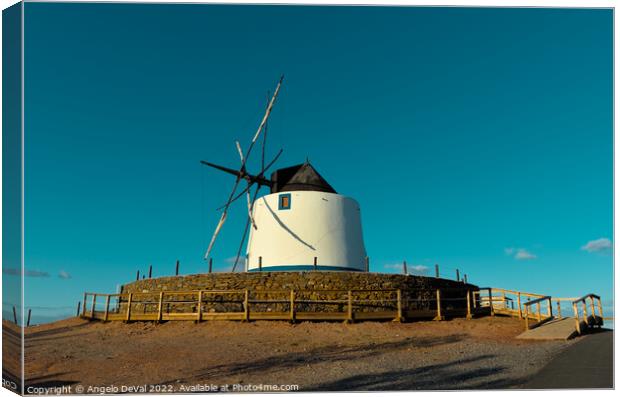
(303, 224)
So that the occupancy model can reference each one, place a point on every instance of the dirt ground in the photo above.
(185, 357)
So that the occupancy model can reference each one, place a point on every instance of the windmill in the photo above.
(242, 174)
(302, 224)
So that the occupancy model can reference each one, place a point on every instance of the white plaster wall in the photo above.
(323, 225)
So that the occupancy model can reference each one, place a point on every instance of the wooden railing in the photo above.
(540, 318)
(503, 301)
(291, 305)
(589, 319)
(558, 305)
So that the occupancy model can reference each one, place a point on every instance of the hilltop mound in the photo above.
(480, 353)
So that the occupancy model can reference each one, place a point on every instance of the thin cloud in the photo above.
(420, 269)
(599, 245)
(64, 275)
(520, 254)
(12, 271)
(393, 265)
(524, 255)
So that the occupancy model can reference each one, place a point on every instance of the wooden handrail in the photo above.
(541, 299)
(508, 291)
(586, 317)
(583, 298)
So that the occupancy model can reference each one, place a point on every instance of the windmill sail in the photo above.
(242, 174)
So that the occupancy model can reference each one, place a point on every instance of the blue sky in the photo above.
(479, 139)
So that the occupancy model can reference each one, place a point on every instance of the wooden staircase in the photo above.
(537, 312)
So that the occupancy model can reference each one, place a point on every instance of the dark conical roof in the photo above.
(299, 177)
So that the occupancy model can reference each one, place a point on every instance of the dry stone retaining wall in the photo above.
(417, 292)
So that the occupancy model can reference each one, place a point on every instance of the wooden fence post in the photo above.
(405, 268)
(399, 306)
(559, 309)
(350, 307)
(246, 305)
(92, 308)
(315, 263)
(519, 304)
(176, 272)
(576, 318)
(600, 308)
(28, 322)
(260, 263)
(293, 305)
(592, 306)
(150, 271)
(491, 302)
(527, 317)
(107, 305)
(159, 307)
(469, 316)
(436, 270)
(585, 311)
(465, 278)
(458, 277)
(549, 308)
(439, 317)
(138, 275)
(199, 308)
(84, 306)
(128, 315)
(14, 315)
(210, 265)
(538, 310)
(77, 314)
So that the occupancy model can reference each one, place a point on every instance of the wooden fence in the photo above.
(537, 309)
(290, 305)
(589, 319)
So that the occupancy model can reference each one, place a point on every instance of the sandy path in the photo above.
(457, 354)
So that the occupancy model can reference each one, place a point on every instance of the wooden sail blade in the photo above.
(250, 208)
(222, 168)
(239, 150)
(217, 231)
(263, 121)
(245, 232)
(259, 180)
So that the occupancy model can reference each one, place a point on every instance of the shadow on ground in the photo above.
(447, 376)
(471, 373)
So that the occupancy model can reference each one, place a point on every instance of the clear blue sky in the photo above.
(479, 139)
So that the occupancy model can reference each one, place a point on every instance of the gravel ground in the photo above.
(184, 357)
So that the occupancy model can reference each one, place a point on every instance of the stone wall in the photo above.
(416, 292)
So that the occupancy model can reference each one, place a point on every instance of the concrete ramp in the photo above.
(558, 328)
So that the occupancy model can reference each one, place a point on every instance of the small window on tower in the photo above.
(284, 202)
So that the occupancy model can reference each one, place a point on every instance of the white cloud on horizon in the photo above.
(599, 245)
(524, 255)
(520, 254)
(420, 269)
(64, 275)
